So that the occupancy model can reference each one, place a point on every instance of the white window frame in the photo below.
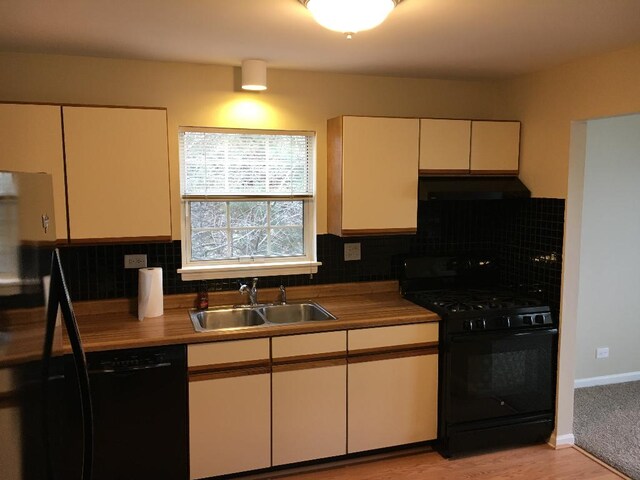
(251, 266)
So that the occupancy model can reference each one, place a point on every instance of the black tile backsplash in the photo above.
(531, 247)
(525, 234)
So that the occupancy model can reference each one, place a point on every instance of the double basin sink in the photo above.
(244, 316)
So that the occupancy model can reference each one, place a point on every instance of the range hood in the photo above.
(471, 188)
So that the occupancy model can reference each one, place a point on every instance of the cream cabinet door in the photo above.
(31, 139)
(117, 173)
(229, 407)
(229, 425)
(392, 402)
(309, 412)
(444, 146)
(378, 165)
(309, 396)
(495, 148)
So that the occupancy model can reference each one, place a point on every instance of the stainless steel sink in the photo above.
(233, 317)
(224, 318)
(295, 312)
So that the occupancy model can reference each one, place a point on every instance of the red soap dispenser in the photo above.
(203, 296)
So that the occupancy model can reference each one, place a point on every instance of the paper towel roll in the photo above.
(150, 300)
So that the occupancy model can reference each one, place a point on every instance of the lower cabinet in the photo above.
(309, 396)
(259, 403)
(309, 412)
(393, 386)
(392, 402)
(229, 407)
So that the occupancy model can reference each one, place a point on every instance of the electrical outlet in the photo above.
(602, 352)
(352, 252)
(135, 261)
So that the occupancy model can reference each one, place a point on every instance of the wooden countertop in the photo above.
(113, 325)
(22, 336)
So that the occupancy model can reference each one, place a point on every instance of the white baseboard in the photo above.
(562, 441)
(606, 379)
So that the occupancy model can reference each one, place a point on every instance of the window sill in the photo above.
(211, 272)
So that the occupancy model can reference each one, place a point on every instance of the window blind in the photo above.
(218, 163)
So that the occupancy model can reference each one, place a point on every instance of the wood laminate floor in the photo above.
(539, 462)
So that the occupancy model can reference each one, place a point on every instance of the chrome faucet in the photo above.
(252, 292)
(283, 295)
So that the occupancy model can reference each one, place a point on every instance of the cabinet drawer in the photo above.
(309, 345)
(228, 352)
(381, 337)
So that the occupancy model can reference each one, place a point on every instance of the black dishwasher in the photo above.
(139, 401)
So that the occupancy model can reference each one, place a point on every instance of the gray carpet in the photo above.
(607, 424)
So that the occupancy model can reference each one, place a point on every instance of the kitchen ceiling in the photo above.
(421, 38)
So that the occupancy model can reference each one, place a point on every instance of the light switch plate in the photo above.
(135, 261)
(352, 252)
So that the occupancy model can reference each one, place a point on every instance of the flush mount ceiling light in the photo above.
(350, 16)
(254, 75)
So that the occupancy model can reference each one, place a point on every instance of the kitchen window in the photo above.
(248, 202)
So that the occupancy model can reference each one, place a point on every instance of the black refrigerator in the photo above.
(34, 309)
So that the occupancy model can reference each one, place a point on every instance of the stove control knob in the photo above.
(527, 320)
(481, 324)
(540, 319)
(467, 325)
(505, 322)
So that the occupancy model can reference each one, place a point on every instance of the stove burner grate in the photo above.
(473, 300)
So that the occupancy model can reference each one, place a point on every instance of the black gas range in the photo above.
(475, 310)
(498, 349)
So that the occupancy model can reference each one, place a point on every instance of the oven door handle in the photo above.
(474, 337)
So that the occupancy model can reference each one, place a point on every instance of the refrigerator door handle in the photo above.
(59, 296)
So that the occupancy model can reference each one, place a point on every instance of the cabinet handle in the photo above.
(290, 367)
(388, 355)
(45, 222)
(243, 372)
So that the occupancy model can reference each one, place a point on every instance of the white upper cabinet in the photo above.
(461, 147)
(495, 147)
(117, 174)
(114, 162)
(444, 146)
(31, 139)
(372, 175)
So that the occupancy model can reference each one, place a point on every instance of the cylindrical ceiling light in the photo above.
(350, 16)
(254, 75)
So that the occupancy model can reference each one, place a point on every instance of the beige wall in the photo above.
(548, 101)
(205, 95)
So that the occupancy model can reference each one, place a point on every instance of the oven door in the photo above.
(493, 376)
